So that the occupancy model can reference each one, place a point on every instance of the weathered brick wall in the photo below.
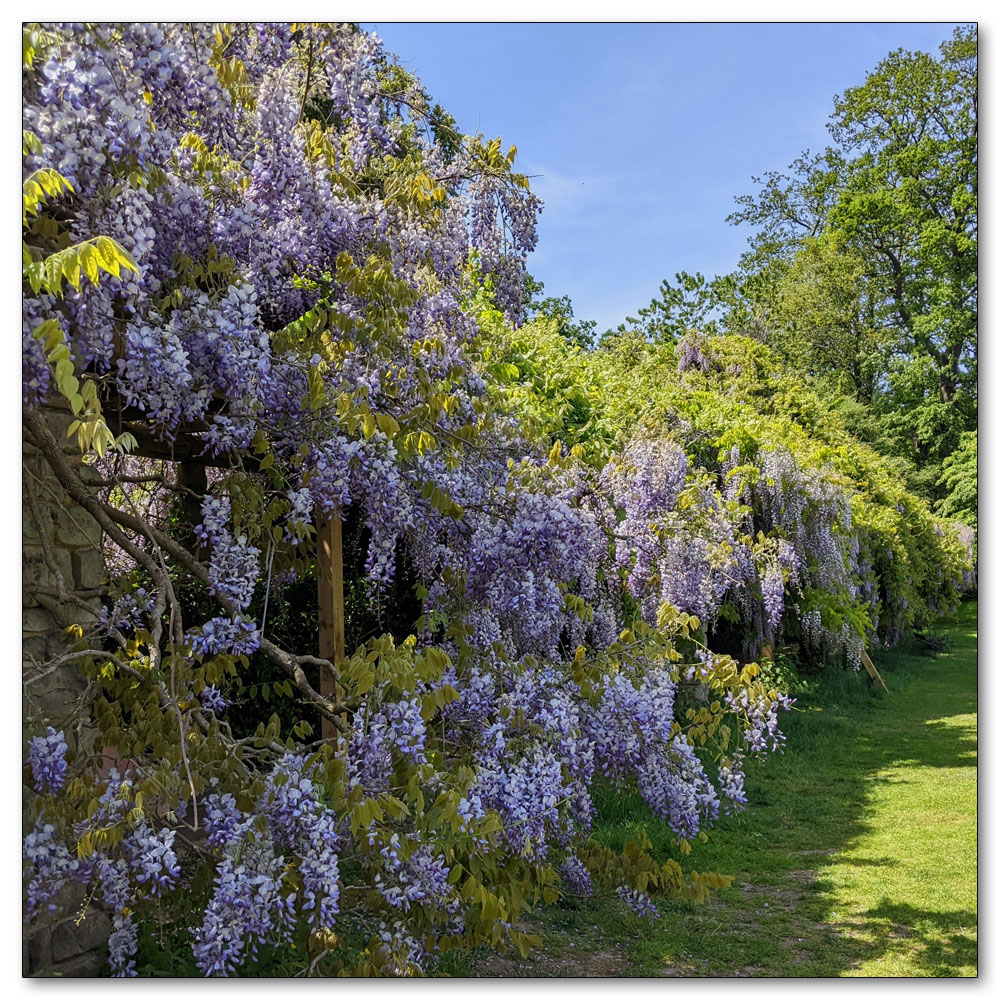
(60, 545)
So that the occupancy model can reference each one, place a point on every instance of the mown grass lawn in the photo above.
(856, 856)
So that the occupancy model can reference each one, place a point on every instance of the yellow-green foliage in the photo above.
(596, 401)
(46, 269)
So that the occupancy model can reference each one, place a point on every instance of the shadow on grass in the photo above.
(938, 942)
(847, 742)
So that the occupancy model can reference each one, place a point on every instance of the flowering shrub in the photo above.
(260, 243)
(740, 497)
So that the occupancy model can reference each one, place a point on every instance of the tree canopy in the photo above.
(872, 248)
(862, 265)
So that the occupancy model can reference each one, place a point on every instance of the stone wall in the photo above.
(61, 556)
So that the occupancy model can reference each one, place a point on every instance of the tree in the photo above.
(961, 478)
(576, 331)
(692, 303)
(824, 319)
(897, 193)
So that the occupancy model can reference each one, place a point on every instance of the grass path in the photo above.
(857, 856)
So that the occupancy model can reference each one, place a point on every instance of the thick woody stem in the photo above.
(112, 521)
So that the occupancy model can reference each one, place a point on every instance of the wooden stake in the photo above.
(330, 571)
(872, 672)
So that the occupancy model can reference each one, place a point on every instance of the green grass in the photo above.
(856, 855)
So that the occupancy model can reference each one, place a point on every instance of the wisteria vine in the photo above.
(308, 245)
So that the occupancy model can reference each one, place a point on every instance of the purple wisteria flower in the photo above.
(638, 902)
(576, 877)
(47, 757)
(211, 698)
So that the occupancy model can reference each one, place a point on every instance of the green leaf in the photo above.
(89, 261)
(387, 424)
(108, 256)
(71, 270)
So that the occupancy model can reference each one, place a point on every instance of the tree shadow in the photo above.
(808, 809)
(844, 748)
(939, 943)
(847, 744)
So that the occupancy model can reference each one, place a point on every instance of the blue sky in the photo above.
(642, 134)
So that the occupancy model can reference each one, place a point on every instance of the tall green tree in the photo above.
(961, 477)
(874, 241)
(690, 304)
(824, 317)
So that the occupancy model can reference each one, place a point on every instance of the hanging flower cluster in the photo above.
(299, 255)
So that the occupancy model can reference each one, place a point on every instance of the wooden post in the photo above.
(330, 571)
(872, 672)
